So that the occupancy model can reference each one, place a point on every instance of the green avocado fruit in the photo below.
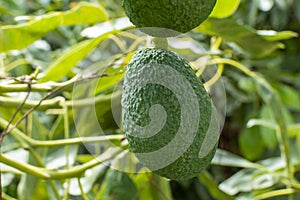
(166, 114)
(179, 15)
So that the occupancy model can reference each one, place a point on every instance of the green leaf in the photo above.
(97, 113)
(110, 81)
(126, 162)
(245, 37)
(294, 130)
(41, 191)
(85, 13)
(237, 93)
(144, 186)
(225, 158)
(119, 186)
(289, 96)
(17, 154)
(27, 188)
(7, 112)
(14, 37)
(6, 179)
(213, 187)
(262, 122)
(271, 35)
(250, 142)
(161, 188)
(268, 134)
(225, 8)
(100, 29)
(90, 177)
(9, 144)
(115, 72)
(64, 63)
(57, 158)
(247, 180)
(153, 187)
(10, 7)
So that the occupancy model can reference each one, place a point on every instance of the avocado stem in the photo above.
(160, 43)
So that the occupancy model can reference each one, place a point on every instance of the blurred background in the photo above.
(262, 35)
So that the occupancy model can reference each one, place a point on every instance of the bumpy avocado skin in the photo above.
(178, 15)
(137, 102)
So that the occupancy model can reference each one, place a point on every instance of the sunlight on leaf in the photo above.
(265, 5)
(272, 35)
(156, 189)
(245, 37)
(100, 29)
(262, 122)
(294, 130)
(90, 177)
(64, 63)
(247, 180)
(14, 37)
(6, 179)
(226, 158)
(224, 8)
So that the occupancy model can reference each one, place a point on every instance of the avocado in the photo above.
(181, 16)
(166, 114)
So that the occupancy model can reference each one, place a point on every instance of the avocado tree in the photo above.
(69, 68)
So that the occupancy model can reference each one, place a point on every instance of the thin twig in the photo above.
(5, 131)
(48, 95)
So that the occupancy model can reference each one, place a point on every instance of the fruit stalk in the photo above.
(160, 43)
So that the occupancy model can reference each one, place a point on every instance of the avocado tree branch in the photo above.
(28, 142)
(72, 172)
(55, 102)
(6, 131)
(80, 169)
(270, 98)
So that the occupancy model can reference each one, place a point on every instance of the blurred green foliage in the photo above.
(62, 37)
